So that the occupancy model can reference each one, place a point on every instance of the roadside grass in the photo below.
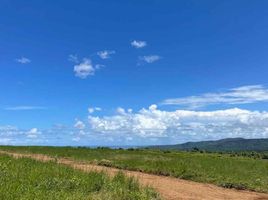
(27, 179)
(220, 169)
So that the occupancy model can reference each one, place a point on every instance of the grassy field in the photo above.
(27, 179)
(220, 169)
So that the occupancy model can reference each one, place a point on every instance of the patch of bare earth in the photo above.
(169, 188)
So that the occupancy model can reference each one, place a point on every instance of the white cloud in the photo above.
(17, 136)
(76, 139)
(105, 54)
(8, 127)
(146, 126)
(150, 58)
(239, 95)
(23, 60)
(79, 125)
(93, 109)
(152, 107)
(18, 108)
(120, 111)
(98, 109)
(33, 133)
(84, 69)
(138, 44)
(8, 130)
(99, 66)
(73, 58)
(183, 125)
(5, 141)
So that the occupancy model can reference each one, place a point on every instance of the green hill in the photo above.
(225, 145)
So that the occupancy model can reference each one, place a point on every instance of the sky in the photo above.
(99, 72)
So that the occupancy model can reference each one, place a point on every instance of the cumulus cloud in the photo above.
(138, 44)
(147, 126)
(149, 59)
(79, 125)
(33, 133)
(91, 110)
(240, 95)
(120, 111)
(105, 54)
(183, 125)
(23, 60)
(84, 69)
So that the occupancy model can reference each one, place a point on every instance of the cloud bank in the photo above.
(11, 135)
(146, 127)
(182, 125)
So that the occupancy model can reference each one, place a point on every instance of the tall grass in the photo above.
(26, 179)
(220, 169)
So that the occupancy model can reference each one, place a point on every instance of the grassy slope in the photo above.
(238, 172)
(26, 179)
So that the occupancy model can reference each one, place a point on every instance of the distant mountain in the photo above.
(225, 145)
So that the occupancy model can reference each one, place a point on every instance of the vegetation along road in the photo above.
(168, 187)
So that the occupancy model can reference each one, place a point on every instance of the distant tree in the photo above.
(195, 149)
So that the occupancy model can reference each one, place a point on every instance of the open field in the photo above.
(168, 187)
(220, 169)
(25, 178)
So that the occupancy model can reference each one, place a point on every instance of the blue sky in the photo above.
(86, 72)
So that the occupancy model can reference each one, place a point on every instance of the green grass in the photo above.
(220, 169)
(27, 179)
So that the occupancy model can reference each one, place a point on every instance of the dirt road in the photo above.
(169, 188)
